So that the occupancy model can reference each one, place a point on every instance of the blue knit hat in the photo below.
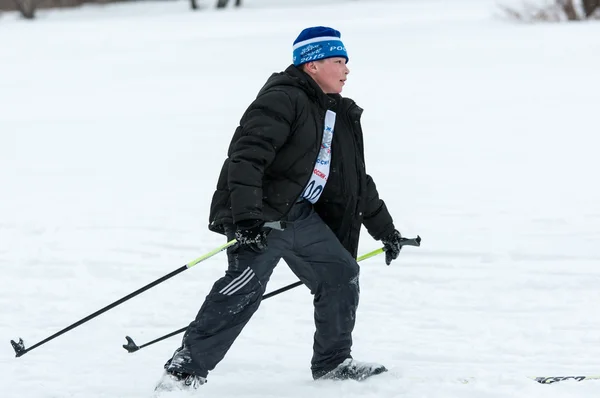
(318, 42)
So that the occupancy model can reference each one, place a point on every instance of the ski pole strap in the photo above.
(278, 225)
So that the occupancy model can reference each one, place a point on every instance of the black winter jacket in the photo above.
(272, 156)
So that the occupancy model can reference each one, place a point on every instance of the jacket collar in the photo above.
(345, 104)
(311, 87)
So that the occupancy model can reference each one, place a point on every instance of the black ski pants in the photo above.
(319, 260)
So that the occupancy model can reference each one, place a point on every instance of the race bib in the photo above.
(318, 179)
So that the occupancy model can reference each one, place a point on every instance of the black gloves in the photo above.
(250, 234)
(392, 246)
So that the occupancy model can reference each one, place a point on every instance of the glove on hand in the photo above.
(392, 246)
(250, 234)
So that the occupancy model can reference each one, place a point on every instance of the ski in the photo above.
(544, 379)
(556, 379)
(472, 379)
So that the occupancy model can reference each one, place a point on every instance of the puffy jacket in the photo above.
(272, 156)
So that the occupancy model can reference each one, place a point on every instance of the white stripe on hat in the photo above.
(315, 40)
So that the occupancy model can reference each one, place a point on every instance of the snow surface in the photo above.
(481, 134)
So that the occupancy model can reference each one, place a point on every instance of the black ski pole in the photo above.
(19, 346)
(132, 347)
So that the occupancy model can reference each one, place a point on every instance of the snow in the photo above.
(480, 133)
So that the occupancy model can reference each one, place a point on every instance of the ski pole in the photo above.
(132, 347)
(19, 346)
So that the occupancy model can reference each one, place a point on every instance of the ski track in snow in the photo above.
(478, 133)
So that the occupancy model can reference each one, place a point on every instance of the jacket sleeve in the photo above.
(376, 217)
(264, 128)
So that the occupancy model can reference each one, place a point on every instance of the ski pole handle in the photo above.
(411, 241)
(403, 242)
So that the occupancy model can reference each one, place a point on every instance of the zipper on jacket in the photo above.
(360, 166)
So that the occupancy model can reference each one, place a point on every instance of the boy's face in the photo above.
(330, 74)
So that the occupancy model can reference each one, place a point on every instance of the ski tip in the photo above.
(556, 379)
(130, 346)
(418, 239)
(19, 347)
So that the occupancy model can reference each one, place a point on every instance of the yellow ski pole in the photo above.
(19, 346)
(132, 347)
